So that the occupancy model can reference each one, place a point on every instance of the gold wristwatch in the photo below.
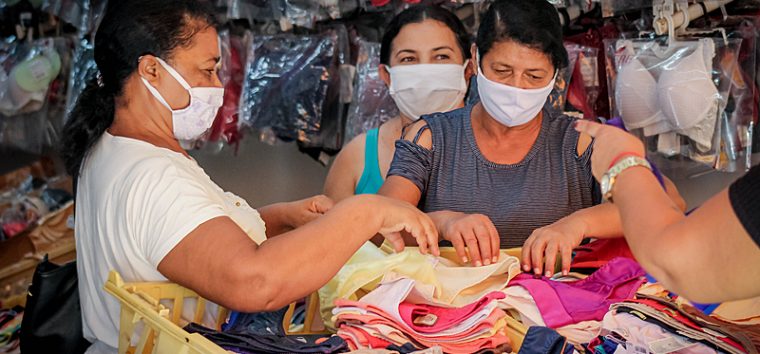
(608, 180)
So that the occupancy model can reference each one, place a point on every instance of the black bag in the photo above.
(52, 320)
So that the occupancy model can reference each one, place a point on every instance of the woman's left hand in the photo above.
(303, 211)
(540, 250)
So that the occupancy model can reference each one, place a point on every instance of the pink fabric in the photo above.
(446, 317)
(467, 342)
(376, 316)
(589, 299)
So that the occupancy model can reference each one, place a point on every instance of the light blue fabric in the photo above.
(371, 179)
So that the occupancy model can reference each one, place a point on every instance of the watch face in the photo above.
(605, 183)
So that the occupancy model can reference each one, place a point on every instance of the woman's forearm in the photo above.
(276, 218)
(280, 263)
(648, 214)
(599, 221)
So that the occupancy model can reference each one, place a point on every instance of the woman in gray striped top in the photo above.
(504, 172)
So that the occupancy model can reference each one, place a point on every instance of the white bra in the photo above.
(683, 100)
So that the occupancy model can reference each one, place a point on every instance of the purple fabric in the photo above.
(564, 303)
(618, 122)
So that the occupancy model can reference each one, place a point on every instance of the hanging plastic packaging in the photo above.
(371, 104)
(286, 83)
(329, 139)
(27, 73)
(674, 95)
(85, 15)
(259, 10)
(558, 97)
(585, 87)
(83, 70)
(225, 127)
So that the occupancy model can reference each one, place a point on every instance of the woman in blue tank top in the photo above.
(424, 54)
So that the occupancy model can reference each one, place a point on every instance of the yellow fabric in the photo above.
(454, 284)
(745, 312)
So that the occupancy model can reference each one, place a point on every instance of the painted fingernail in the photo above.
(537, 271)
(565, 273)
(526, 268)
(495, 259)
(548, 274)
(478, 264)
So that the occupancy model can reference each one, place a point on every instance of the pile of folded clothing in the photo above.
(397, 314)
(660, 325)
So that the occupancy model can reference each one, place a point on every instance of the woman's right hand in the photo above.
(476, 232)
(398, 216)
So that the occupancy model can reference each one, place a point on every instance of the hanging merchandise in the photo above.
(286, 84)
(304, 13)
(19, 19)
(594, 38)
(85, 15)
(371, 104)
(83, 70)
(617, 7)
(231, 75)
(252, 10)
(584, 88)
(28, 71)
(329, 139)
(674, 93)
(558, 97)
(742, 107)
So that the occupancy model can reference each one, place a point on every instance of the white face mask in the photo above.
(192, 121)
(427, 88)
(511, 106)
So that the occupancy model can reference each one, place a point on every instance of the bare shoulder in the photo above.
(419, 133)
(584, 141)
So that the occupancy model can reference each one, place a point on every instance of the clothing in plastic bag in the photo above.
(674, 95)
(742, 106)
(231, 74)
(85, 15)
(249, 10)
(593, 38)
(83, 70)
(558, 96)
(28, 71)
(286, 84)
(584, 88)
(371, 104)
(329, 140)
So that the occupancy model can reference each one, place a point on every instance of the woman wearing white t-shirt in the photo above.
(146, 209)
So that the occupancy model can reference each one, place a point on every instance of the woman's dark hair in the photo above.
(128, 30)
(417, 14)
(534, 23)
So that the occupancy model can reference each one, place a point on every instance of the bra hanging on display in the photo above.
(683, 100)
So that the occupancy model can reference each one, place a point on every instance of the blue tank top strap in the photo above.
(371, 179)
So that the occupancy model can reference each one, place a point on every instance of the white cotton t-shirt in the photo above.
(135, 202)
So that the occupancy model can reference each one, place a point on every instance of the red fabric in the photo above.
(226, 122)
(595, 38)
(379, 3)
(576, 93)
(14, 228)
(598, 253)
